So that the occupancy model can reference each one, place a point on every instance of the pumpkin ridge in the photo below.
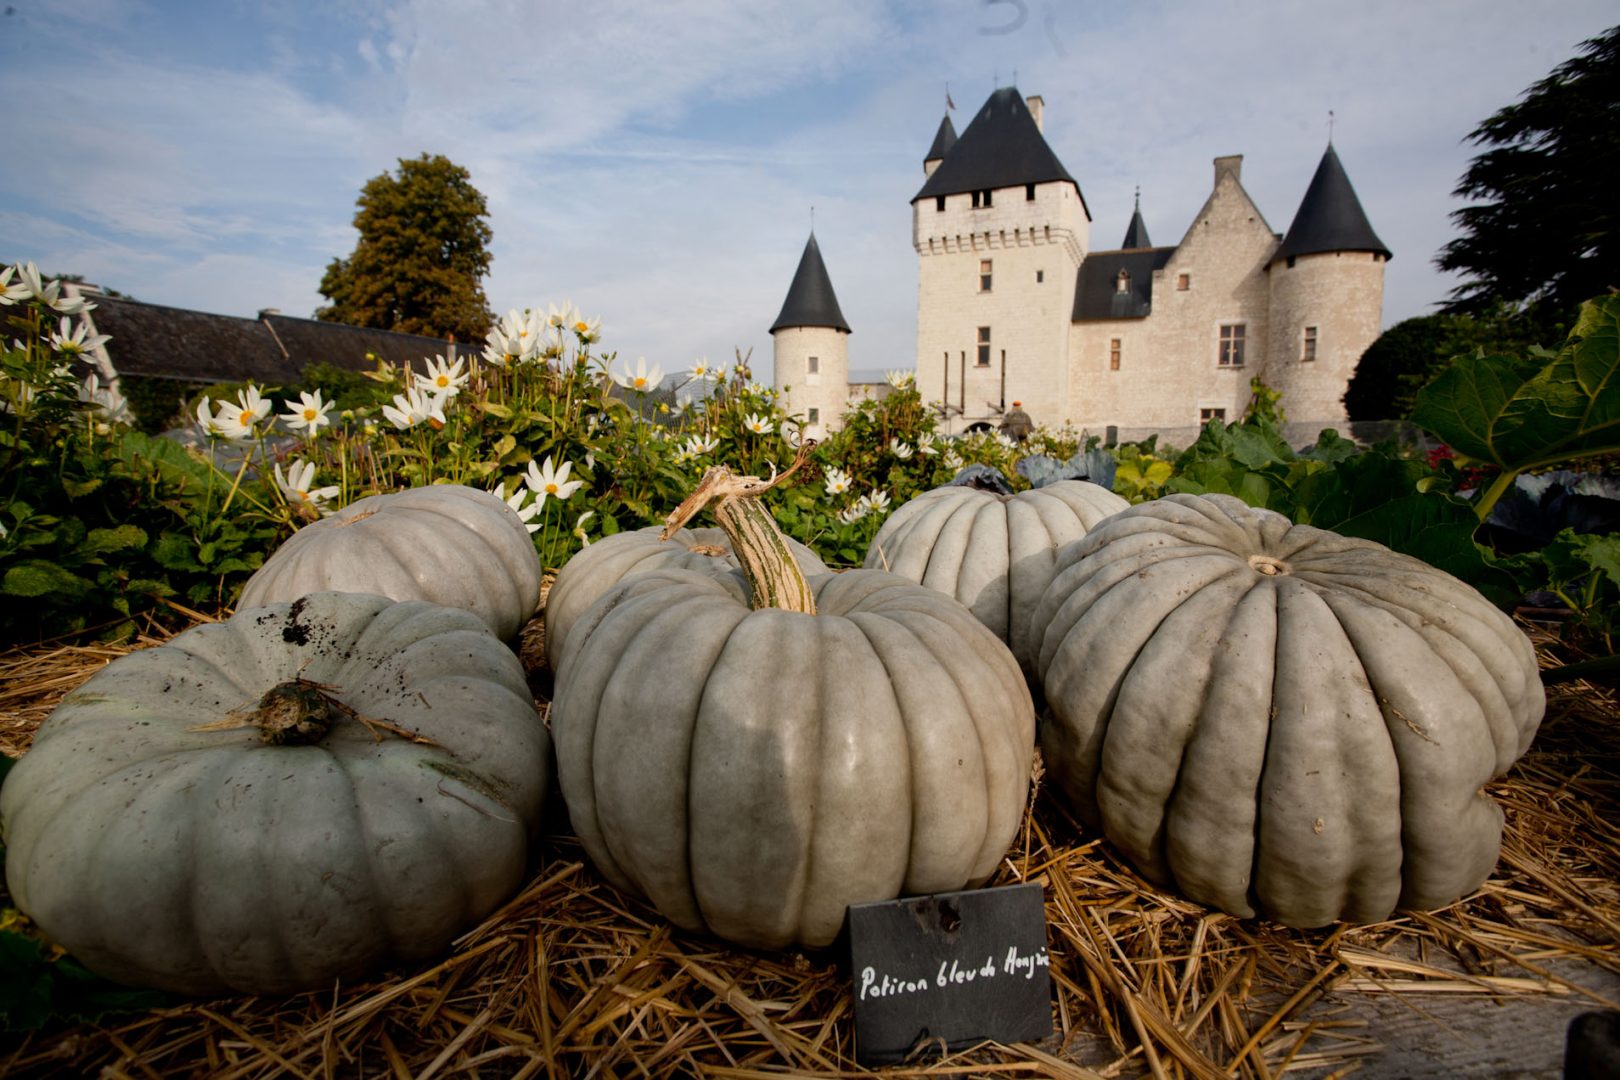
(499, 546)
(1146, 717)
(698, 714)
(1486, 673)
(1424, 804)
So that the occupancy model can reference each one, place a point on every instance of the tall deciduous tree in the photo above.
(422, 256)
(1546, 228)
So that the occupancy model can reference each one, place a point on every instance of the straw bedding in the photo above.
(574, 979)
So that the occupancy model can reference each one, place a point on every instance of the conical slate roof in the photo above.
(1330, 217)
(1136, 235)
(810, 299)
(1000, 148)
(944, 139)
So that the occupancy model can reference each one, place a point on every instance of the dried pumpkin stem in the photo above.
(774, 577)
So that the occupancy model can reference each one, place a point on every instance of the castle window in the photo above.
(813, 365)
(984, 275)
(1231, 353)
(1029, 192)
(984, 347)
(1049, 232)
(1122, 283)
(814, 415)
(1206, 415)
(1040, 276)
(1307, 351)
(939, 202)
(1114, 348)
(1183, 282)
(981, 198)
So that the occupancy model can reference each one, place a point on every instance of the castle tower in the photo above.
(1327, 297)
(810, 343)
(1000, 229)
(1136, 236)
(944, 139)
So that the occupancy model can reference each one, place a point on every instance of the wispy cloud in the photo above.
(656, 163)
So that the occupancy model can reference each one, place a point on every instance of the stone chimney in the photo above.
(1037, 109)
(1231, 164)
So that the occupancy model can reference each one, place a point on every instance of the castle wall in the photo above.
(1170, 361)
(1341, 295)
(827, 390)
(1035, 247)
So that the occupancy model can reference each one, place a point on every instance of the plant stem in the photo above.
(1498, 488)
(774, 577)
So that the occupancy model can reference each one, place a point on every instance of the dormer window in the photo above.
(939, 202)
(1029, 192)
(981, 198)
(1122, 283)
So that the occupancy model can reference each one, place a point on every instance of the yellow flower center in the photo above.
(246, 419)
(551, 489)
(581, 327)
(310, 415)
(640, 382)
(443, 380)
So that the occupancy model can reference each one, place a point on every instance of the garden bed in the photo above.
(572, 978)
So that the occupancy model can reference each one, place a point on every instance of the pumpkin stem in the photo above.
(774, 578)
(296, 713)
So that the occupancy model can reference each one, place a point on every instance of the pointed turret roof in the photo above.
(1002, 147)
(944, 139)
(810, 299)
(1330, 217)
(1136, 235)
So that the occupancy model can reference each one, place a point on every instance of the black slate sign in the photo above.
(949, 970)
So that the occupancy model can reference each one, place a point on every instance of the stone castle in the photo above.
(1015, 307)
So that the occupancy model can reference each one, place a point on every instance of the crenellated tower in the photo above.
(810, 343)
(1000, 229)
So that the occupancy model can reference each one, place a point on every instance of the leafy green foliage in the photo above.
(1521, 413)
(39, 984)
(423, 253)
(1412, 352)
(1545, 224)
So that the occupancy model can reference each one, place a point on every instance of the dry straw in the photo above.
(573, 979)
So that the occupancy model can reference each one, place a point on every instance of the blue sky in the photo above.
(655, 163)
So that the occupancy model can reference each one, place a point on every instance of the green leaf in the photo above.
(119, 538)
(1521, 412)
(175, 552)
(35, 989)
(36, 577)
(500, 412)
(77, 489)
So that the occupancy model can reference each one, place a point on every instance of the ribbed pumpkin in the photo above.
(215, 814)
(1275, 718)
(754, 755)
(446, 544)
(992, 552)
(597, 568)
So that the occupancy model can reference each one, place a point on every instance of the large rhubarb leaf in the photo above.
(1520, 413)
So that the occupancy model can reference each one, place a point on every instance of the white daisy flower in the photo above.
(642, 379)
(901, 450)
(309, 415)
(876, 501)
(853, 513)
(295, 485)
(701, 370)
(525, 511)
(759, 425)
(545, 481)
(412, 408)
(71, 340)
(899, 379)
(925, 443)
(837, 481)
(443, 378)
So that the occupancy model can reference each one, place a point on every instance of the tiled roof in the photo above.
(195, 346)
(810, 299)
(1330, 217)
(1002, 147)
(1096, 291)
(944, 139)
